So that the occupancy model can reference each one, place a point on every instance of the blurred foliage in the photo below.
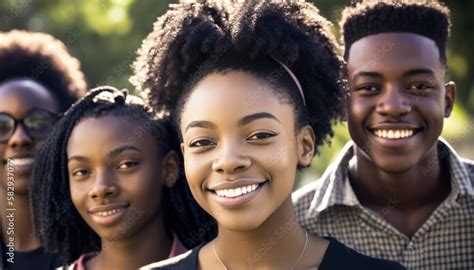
(104, 35)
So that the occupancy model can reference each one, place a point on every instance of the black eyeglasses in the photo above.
(37, 124)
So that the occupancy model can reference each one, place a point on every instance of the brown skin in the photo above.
(18, 98)
(108, 169)
(397, 82)
(221, 148)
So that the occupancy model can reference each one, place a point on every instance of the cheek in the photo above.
(3, 148)
(79, 193)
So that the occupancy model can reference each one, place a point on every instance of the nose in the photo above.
(393, 102)
(231, 160)
(104, 186)
(20, 138)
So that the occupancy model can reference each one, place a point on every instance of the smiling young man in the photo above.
(397, 191)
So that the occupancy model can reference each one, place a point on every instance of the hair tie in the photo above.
(109, 94)
(293, 76)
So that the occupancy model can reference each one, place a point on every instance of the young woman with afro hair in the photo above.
(253, 89)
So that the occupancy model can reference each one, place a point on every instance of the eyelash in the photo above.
(200, 141)
(133, 164)
(78, 172)
(84, 172)
(411, 87)
(266, 135)
(254, 137)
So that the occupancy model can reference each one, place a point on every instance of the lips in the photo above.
(394, 131)
(395, 136)
(108, 214)
(21, 164)
(235, 193)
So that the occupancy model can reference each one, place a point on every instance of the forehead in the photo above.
(392, 52)
(106, 133)
(231, 96)
(18, 99)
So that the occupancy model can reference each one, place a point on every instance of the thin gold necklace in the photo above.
(293, 267)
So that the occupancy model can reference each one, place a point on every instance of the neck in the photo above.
(423, 184)
(405, 200)
(16, 221)
(149, 244)
(276, 243)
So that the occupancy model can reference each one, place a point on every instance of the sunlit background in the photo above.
(104, 35)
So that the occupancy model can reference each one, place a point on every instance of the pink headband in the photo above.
(292, 75)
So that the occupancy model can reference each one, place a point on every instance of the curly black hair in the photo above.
(57, 223)
(193, 40)
(44, 59)
(428, 18)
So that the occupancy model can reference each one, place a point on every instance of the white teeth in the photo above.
(393, 134)
(108, 213)
(236, 192)
(22, 161)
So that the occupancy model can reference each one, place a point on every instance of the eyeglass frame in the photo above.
(54, 116)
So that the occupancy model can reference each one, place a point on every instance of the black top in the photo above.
(35, 259)
(337, 257)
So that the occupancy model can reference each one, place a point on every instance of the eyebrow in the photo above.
(419, 71)
(367, 74)
(200, 124)
(112, 154)
(244, 121)
(77, 158)
(117, 151)
(256, 116)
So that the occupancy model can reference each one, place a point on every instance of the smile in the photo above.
(394, 134)
(109, 212)
(20, 161)
(235, 192)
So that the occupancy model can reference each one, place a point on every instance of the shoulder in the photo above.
(469, 165)
(339, 256)
(185, 261)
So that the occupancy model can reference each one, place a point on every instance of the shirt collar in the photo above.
(335, 188)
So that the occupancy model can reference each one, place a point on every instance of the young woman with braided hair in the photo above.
(109, 189)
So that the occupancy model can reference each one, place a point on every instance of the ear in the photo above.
(450, 95)
(306, 146)
(170, 168)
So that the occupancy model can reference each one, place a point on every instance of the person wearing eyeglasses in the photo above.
(38, 81)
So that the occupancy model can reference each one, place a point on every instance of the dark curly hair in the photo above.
(428, 18)
(43, 59)
(58, 224)
(193, 40)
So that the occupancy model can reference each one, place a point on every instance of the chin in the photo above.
(239, 225)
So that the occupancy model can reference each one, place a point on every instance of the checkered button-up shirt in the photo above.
(329, 207)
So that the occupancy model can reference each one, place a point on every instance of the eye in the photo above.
(261, 136)
(80, 172)
(127, 164)
(369, 88)
(201, 143)
(420, 86)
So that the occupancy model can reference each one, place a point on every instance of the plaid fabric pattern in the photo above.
(329, 207)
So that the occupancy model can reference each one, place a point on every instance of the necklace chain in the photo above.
(293, 267)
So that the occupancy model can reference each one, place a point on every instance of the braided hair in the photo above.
(428, 18)
(44, 59)
(193, 40)
(58, 224)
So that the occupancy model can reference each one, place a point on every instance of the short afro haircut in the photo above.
(43, 59)
(193, 40)
(427, 18)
